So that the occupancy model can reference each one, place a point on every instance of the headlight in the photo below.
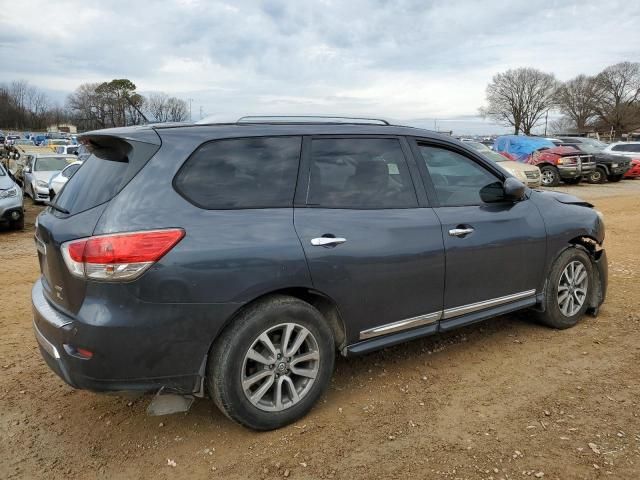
(12, 192)
(42, 184)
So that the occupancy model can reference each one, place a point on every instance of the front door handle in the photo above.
(327, 241)
(460, 232)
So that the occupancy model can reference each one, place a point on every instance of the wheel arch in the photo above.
(590, 245)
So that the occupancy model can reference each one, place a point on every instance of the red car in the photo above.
(634, 171)
(556, 164)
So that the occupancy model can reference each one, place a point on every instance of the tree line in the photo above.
(606, 102)
(91, 106)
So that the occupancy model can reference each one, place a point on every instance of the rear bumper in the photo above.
(167, 352)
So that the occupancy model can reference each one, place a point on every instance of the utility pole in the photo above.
(546, 118)
(190, 118)
(200, 112)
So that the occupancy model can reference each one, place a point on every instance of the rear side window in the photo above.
(359, 173)
(258, 172)
(111, 165)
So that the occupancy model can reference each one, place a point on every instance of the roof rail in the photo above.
(299, 119)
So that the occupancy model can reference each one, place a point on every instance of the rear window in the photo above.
(256, 172)
(104, 173)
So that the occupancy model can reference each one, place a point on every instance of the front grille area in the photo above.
(532, 174)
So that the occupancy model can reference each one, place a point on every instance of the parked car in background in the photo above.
(67, 149)
(628, 149)
(174, 258)
(608, 166)
(634, 169)
(527, 174)
(59, 180)
(11, 210)
(39, 139)
(53, 143)
(556, 164)
(37, 172)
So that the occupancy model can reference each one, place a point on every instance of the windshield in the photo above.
(50, 164)
(481, 147)
(588, 148)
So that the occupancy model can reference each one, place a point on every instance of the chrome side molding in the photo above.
(412, 322)
(494, 302)
(430, 318)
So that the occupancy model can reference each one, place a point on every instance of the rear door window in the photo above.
(258, 172)
(359, 173)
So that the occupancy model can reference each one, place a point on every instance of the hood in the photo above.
(564, 151)
(517, 166)
(609, 157)
(565, 198)
(6, 182)
(45, 176)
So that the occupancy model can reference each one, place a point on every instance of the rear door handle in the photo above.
(460, 232)
(327, 241)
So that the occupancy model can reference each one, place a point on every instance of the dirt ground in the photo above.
(505, 399)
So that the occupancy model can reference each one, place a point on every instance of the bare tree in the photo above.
(178, 110)
(520, 98)
(618, 96)
(561, 125)
(577, 99)
(163, 108)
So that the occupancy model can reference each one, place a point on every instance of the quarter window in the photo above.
(458, 180)
(256, 172)
(359, 173)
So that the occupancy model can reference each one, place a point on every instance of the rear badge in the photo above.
(58, 289)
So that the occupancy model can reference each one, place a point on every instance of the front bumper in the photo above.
(601, 271)
(11, 208)
(41, 194)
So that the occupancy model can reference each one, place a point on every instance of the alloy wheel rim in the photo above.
(280, 367)
(547, 177)
(572, 288)
(596, 176)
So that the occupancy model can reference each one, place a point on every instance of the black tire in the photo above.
(17, 224)
(615, 178)
(552, 175)
(599, 175)
(226, 361)
(572, 181)
(552, 315)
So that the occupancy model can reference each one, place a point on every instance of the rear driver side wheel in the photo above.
(272, 364)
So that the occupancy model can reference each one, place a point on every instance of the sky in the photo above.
(413, 61)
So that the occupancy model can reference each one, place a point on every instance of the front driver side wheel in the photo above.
(568, 289)
(550, 176)
(272, 364)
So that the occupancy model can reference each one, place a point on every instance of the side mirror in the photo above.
(514, 189)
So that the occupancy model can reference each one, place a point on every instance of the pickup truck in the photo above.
(556, 163)
(608, 166)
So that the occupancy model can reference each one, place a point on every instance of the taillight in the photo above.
(119, 256)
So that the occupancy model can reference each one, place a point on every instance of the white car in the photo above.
(37, 172)
(628, 149)
(67, 149)
(59, 180)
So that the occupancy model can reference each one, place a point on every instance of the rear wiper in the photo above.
(57, 207)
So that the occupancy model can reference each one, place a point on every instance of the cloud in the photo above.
(394, 58)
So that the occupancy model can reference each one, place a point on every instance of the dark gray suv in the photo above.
(233, 260)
